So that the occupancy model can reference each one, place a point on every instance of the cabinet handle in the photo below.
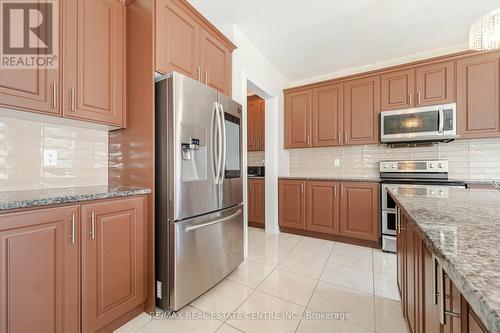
(199, 73)
(73, 99)
(345, 137)
(258, 144)
(410, 98)
(342, 191)
(308, 140)
(206, 76)
(398, 221)
(340, 137)
(441, 298)
(435, 292)
(302, 189)
(54, 95)
(92, 225)
(418, 98)
(73, 229)
(335, 191)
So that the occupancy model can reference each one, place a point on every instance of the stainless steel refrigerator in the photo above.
(199, 189)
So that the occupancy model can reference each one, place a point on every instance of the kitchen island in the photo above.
(462, 232)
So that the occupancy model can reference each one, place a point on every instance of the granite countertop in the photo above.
(46, 197)
(462, 230)
(340, 178)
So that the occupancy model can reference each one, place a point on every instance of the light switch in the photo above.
(50, 158)
(337, 162)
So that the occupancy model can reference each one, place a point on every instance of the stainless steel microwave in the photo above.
(429, 123)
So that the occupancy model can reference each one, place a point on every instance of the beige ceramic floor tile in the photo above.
(224, 297)
(268, 255)
(314, 322)
(135, 324)
(318, 242)
(260, 304)
(303, 265)
(228, 329)
(251, 274)
(331, 298)
(352, 248)
(349, 277)
(386, 286)
(359, 259)
(384, 263)
(289, 286)
(388, 316)
(312, 251)
(187, 320)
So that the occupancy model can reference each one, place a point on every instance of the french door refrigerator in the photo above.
(199, 189)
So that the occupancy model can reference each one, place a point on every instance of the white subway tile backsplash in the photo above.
(82, 155)
(468, 159)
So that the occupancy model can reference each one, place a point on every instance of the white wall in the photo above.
(249, 64)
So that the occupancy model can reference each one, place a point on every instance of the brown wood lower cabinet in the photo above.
(418, 275)
(346, 211)
(113, 268)
(257, 202)
(60, 273)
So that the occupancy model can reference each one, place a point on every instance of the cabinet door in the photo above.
(327, 116)
(257, 203)
(261, 126)
(401, 260)
(474, 325)
(177, 40)
(452, 304)
(397, 89)
(478, 96)
(112, 261)
(94, 61)
(361, 111)
(430, 310)
(215, 63)
(39, 271)
(359, 210)
(298, 106)
(323, 207)
(411, 273)
(252, 123)
(292, 204)
(435, 84)
(34, 90)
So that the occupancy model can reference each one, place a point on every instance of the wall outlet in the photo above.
(50, 158)
(337, 162)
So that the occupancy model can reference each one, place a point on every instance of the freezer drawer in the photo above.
(204, 250)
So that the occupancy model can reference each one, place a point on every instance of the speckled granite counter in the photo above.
(342, 179)
(463, 232)
(38, 198)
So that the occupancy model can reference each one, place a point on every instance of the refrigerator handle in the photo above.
(216, 143)
(224, 145)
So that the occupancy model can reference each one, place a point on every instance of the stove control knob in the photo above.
(440, 192)
(440, 165)
(385, 166)
(394, 166)
(431, 165)
(433, 192)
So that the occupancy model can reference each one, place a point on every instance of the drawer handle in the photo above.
(73, 229)
(196, 227)
(92, 225)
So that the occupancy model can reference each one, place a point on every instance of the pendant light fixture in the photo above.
(485, 32)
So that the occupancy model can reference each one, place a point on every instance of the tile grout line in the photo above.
(316, 286)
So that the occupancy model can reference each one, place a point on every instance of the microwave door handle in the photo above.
(224, 144)
(216, 143)
(441, 120)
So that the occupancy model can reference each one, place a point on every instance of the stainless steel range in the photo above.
(411, 174)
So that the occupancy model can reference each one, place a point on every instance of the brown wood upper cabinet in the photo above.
(424, 85)
(94, 61)
(292, 204)
(188, 44)
(256, 123)
(90, 83)
(326, 116)
(257, 201)
(39, 271)
(323, 207)
(359, 210)
(298, 107)
(478, 100)
(361, 111)
(113, 263)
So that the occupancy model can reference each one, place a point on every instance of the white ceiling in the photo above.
(307, 38)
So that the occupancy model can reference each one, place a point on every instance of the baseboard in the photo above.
(337, 238)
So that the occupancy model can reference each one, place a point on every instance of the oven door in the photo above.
(436, 122)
